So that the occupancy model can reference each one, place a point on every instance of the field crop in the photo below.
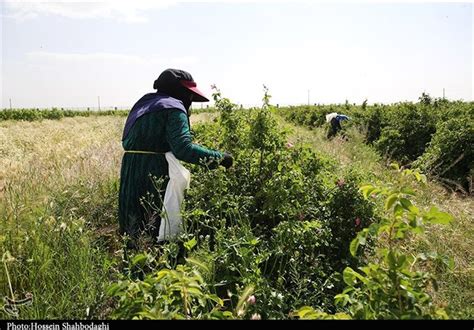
(300, 227)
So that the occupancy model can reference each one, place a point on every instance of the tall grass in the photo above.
(58, 182)
(58, 202)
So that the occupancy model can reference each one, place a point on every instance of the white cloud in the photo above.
(54, 58)
(76, 57)
(127, 11)
(131, 11)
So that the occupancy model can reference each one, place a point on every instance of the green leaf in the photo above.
(398, 210)
(254, 241)
(366, 190)
(442, 218)
(354, 246)
(417, 230)
(402, 259)
(227, 314)
(441, 314)
(449, 261)
(199, 264)
(391, 260)
(408, 191)
(390, 201)
(216, 299)
(418, 176)
(384, 252)
(436, 216)
(360, 239)
(194, 291)
(407, 205)
(139, 259)
(407, 172)
(162, 274)
(348, 276)
(342, 299)
(375, 192)
(383, 228)
(303, 311)
(115, 289)
(190, 244)
(147, 315)
(400, 229)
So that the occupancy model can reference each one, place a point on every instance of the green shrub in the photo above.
(347, 214)
(404, 131)
(395, 285)
(180, 293)
(53, 114)
(407, 133)
(450, 155)
(275, 222)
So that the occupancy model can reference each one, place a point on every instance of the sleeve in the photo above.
(180, 141)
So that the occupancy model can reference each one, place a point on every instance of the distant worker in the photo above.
(157, 124)
(335, 123)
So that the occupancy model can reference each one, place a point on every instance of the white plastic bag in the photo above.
(330, 116)
(180, 177)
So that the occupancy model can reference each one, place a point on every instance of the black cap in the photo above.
(172, 79)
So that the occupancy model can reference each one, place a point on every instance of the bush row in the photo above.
(268, 236)
(54, 113)
(433, 135)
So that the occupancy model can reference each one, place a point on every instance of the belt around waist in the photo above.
(143, 152)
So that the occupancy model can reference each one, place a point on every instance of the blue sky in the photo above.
(66, 54)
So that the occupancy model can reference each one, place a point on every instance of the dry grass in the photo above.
(55, 152)
(48, 169)
(58, 204)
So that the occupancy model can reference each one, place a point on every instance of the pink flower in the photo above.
(213, 86)
(251, 300)
(255, 317)
(357, 222)
(340, 183)
(289, 145)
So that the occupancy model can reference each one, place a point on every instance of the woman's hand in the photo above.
(227, 160)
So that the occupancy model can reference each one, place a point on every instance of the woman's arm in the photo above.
(180, 141)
